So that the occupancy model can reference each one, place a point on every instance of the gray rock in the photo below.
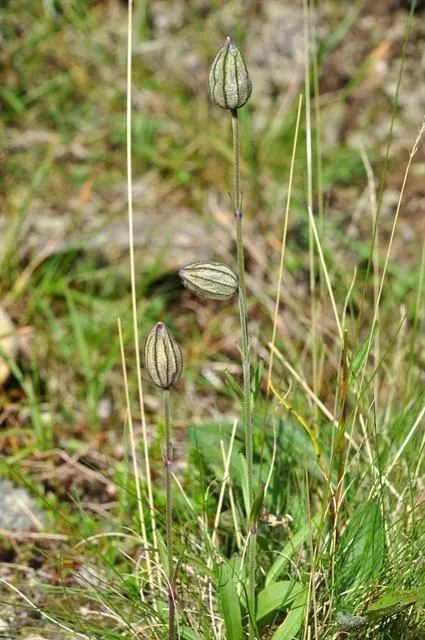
(182, 237)
(18, 511)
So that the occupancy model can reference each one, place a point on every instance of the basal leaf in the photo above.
(230, 605)
(205, 440)
(360, 356)
(277, 596)
(234, 386)
(241, 469)
(393, 601)
(292, 624)
(289, 550)
(187, 634)
(362, 546)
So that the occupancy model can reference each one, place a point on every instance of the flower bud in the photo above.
(209, 280)
(163, 357)
(229, 85)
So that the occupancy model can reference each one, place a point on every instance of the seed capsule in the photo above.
(163, 357)
(229, 84)
(210, 280)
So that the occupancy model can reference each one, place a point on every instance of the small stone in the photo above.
(18, 510)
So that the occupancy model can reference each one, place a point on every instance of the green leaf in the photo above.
(362, 546)
(188, 634)
(240, 577)
(230, 605)
(162, 548)
(289, 550)
(256, 508)
(277, 596)
(205, 440)
(242, 470)
(290, 627)
(393, 601)
(12, 99)
(234, 386)
(359, 358)
(196, 562)
(298, 447)
(257, 376)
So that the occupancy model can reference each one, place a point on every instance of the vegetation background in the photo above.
(71, 553)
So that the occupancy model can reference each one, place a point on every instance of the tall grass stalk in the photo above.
(283, 246)
(383, 277)
(133, 454)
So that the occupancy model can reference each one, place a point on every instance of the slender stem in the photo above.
(242, 301)
(236, 161)
(340, 444)
(247, 414)
(168, 455)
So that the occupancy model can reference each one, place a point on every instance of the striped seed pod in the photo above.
(163, 357)
(229, 84)
(210, 280)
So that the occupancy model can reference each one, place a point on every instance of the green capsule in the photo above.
(163, 357)
(229, 84)
(210, 280)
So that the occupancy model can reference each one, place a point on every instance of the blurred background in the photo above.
(64, 259)
(63, 223)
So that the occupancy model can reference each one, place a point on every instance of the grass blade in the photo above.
(292, 624)
(277, 596)
(230, 605)
(289, 550)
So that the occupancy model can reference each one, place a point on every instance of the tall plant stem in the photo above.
(247, 414)
(168, 454)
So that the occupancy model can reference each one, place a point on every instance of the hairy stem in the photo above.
(247, 415)
(168, 454)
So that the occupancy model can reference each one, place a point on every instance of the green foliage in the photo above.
(230, 605)
(241, 470)
(362, 547)
(256, 508)
(289, 550)
(205, 440)
(277, 596)
(393, 601)
(342, 167)
(359, 358)
(234, 386)
(293, 622)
